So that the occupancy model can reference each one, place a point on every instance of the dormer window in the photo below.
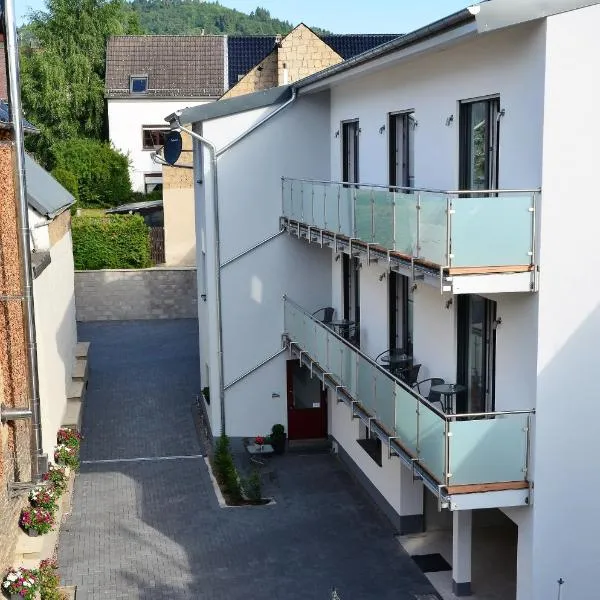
(138, 84)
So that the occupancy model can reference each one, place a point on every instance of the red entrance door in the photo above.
(307, 404)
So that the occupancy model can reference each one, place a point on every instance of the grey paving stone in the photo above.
(154, 530)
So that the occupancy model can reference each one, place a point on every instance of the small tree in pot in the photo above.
(277, 438)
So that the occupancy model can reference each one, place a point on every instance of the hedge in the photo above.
(111, 242)
(100, 173)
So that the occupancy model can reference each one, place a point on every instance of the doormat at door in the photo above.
(431, 563)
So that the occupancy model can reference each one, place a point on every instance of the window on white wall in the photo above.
(401, 149)
(153, 136)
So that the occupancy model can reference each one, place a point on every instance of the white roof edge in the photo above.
(498, 14)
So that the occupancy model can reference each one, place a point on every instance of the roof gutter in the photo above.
(214, 157)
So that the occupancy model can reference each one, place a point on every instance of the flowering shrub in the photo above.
(49, 580)
(259, 440)
(56, 477)
(36, 519)
(67, 455)
(23, 582)
(42, 497)
(69, 437)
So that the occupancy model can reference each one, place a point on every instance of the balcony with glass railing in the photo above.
(461, 453)
(464, 232)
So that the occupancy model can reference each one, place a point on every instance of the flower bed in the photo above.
(236, 491)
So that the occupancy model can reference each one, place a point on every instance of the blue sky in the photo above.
(339, 16)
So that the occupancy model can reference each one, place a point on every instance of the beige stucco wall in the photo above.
(179, 213)
(54, 296)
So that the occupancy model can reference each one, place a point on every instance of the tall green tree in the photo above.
(63, 58)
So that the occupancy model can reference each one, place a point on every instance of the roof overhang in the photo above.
(497, 14)
(224, 108)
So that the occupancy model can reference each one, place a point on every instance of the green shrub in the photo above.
(225, 471)
(68, 180)
(101, 172)
(112, 242)
(253, 487)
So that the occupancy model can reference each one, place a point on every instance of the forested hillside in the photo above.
(197, 16)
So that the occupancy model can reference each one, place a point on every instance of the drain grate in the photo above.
(431, 563)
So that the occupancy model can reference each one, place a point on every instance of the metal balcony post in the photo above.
(448, 231)
(372, 216)
(418, 224)
(312, 207)
(533, 211)
(354, 229)
(302, 201)
(339, 219)
(324, 214)
(447, 435)
(393, 222)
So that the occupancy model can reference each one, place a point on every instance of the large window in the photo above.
(350, 132)
(479, 144)
(401, 149)
(400, 312)
(153, 136)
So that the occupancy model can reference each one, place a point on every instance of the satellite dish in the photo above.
(172, 147)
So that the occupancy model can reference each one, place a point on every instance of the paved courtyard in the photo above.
(151, 528)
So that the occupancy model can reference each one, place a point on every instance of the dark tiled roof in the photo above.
(244, 52)
(5, 119)
(350, 45)
(177, 66)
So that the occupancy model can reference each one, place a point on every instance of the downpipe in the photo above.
(214, 156)
(39, 461)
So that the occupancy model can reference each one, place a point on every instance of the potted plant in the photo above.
(278, 438)
(21, 584)
(36, 521)
(43, 497)
(57, 478)
(49, 580)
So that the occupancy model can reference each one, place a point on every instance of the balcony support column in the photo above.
(462, 536)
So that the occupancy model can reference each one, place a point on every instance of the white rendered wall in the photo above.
(125, 120)
(508, 62)
(54, 297)
(253, 287)
(566, 525)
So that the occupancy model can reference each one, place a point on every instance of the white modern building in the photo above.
(438, 194)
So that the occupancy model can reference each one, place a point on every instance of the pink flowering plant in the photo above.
(69, 437)
(36, 519)
(67, 456)
(21, 582)
(44, 497)
(56, 478)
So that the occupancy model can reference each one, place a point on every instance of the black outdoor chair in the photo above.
(432, 396)
(328, 313)
(353, 335)
(410, 376)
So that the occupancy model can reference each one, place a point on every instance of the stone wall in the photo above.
(119, 295)
(15, 457)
